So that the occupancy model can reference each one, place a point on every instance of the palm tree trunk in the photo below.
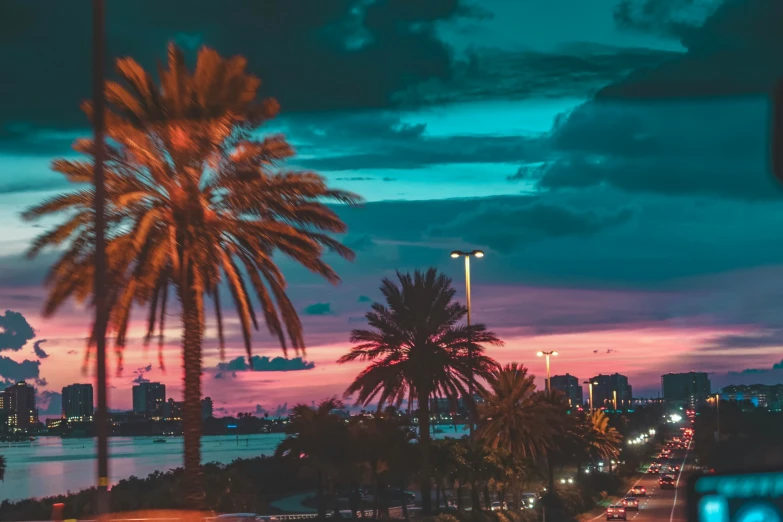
(191, 409)
(437, 496)
(474, 496)
(459, 498)
(487, 500)
(550, 469)
(405, 514)
(424, 438)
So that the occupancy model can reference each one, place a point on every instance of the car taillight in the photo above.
(621, 510)
(610, 510)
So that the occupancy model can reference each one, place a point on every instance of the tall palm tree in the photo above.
(317, 439)
(195, 203)
(514, 416)
(418, 350)
(600, 438)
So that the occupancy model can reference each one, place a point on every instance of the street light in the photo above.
(548, 376)
(590, 385)
(467, 255)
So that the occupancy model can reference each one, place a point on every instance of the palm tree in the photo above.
(318, 440)
(515, 417)
(2, 468)
(445, 459)
(418, 351)
(195, 203)
(601, 440)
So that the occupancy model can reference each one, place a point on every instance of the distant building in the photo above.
(77, 402)
(172, 410)
(760, 395)
(19, 405)
(206, 408)
(685, 389)
(569, 385)
(605, 388)
(149, 399)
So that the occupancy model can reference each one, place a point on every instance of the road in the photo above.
(663, 505)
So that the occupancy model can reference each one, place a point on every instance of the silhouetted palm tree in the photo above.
(319, 440)
(514, 416)
(601, 440)
(418, 351)
(193, 202)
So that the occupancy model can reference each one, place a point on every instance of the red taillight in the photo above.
(621, 510)
(610, 510)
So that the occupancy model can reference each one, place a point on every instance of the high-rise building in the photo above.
(206, 408)
(760, 395)
(569, 385)
(685, 389)
(605, 389)
(77, 402)
(149, 399)
(19, 404)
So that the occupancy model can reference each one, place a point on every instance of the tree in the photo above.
(514, 417)
(195, 205)
(418, 351)
(2, 468)
(601, 440)
(317, 440)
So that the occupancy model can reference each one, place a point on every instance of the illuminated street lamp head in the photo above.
(540, 354)
(459, 253)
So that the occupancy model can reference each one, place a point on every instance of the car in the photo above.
(616, 512)
(639, 491)
(666, 482)
(631, 503)
(498, 506)
(528, 500)
(653, 469)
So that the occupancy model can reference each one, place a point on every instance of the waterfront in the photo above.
(53, 465)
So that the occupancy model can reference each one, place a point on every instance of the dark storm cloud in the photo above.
(49, 403)
(518, 223)
(266, 364)
(15, 331)
(318, 309)
(13, 371)
(760, 340)
(39, 352)
(574, 70)
(735, 52)
(381, 140)
(710, 147)
(664, 17)
(312, 55)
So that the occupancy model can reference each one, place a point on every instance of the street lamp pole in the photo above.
(548, 374)
(590, 387)
(717, 406)
(467, 255)
(614, 399)
(101, 283)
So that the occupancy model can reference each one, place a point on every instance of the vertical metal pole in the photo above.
(548, 376)
(717, 406)
(614, 399)
(101, 311)
(471, 385)
(590, 386)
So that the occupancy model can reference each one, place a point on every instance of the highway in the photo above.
(662, 505)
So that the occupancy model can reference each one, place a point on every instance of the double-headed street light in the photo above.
(548, 375)
(467, 255)
(590, 386)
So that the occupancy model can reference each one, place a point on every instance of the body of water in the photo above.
(54, 466)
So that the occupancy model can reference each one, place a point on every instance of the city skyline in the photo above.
(617, 232)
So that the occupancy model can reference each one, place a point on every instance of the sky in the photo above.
(610, 157)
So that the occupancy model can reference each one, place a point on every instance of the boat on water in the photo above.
(159, 440)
